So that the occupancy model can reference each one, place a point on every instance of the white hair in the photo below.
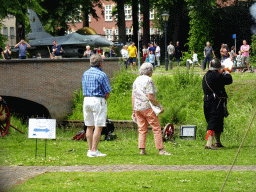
(88, 47)
(146, 69)
(95, 60)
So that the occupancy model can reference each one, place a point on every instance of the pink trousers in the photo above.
(143, 118)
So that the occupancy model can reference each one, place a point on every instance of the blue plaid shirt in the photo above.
(95, 83)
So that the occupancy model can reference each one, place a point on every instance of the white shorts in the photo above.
(95, 111)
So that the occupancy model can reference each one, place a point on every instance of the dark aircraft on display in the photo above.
(74, 44)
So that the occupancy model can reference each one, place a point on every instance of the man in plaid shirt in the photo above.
(96, 88)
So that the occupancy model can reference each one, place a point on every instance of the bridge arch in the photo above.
(50, 83)
(25, 109)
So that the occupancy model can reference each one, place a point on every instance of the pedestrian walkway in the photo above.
(14, 175)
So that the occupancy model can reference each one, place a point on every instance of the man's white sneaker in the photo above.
(89, 154)
(98, 154)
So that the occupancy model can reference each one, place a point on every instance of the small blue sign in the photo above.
(41, 130)
(234, 36)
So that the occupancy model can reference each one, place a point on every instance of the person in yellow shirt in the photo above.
(132, 55)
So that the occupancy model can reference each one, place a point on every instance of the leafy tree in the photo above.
(253, 48)
(57, 14)
(18, 8)
(201, 25)
(3, 39)
(57, 17)
(178, 23)
(88, 8)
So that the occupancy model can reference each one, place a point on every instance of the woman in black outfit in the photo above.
(215, 100)
(7, 52)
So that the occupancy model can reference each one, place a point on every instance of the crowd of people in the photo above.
(239, 60)
(151, 53)
(56, 51)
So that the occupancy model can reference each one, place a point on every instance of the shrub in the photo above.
(186, 55)
(252, 51)
(122, 81)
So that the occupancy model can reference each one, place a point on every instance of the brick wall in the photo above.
(48, 82)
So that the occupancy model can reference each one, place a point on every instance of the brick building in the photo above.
(9, 29)
(106, 25)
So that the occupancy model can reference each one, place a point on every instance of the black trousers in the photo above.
(214, 114)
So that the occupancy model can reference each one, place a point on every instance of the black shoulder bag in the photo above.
(225, 108)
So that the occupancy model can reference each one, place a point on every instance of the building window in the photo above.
(152, 31)
(128, 31)
(5, 32)
(109, 34)
(89, 18)
(116, 18)
(12, 32)
(128, 12)
(115, 35)
(151, 14)
(108, 13)
(116, 31)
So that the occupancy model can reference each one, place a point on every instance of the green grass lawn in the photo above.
(141, 181)
(181, 95)
(17, 149)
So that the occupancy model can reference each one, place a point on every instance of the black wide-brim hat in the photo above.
(215, 65)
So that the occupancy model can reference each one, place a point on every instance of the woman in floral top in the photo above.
(144, 91)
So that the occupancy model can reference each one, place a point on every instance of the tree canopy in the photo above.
(57, 17)
(192, 22)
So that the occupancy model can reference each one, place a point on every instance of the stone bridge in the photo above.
(45, 87)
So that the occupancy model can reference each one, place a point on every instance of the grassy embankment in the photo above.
(181, 96)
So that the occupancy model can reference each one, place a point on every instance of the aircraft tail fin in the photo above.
(37, 29)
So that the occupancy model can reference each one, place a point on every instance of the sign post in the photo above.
(42, 129)
(234, 37)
